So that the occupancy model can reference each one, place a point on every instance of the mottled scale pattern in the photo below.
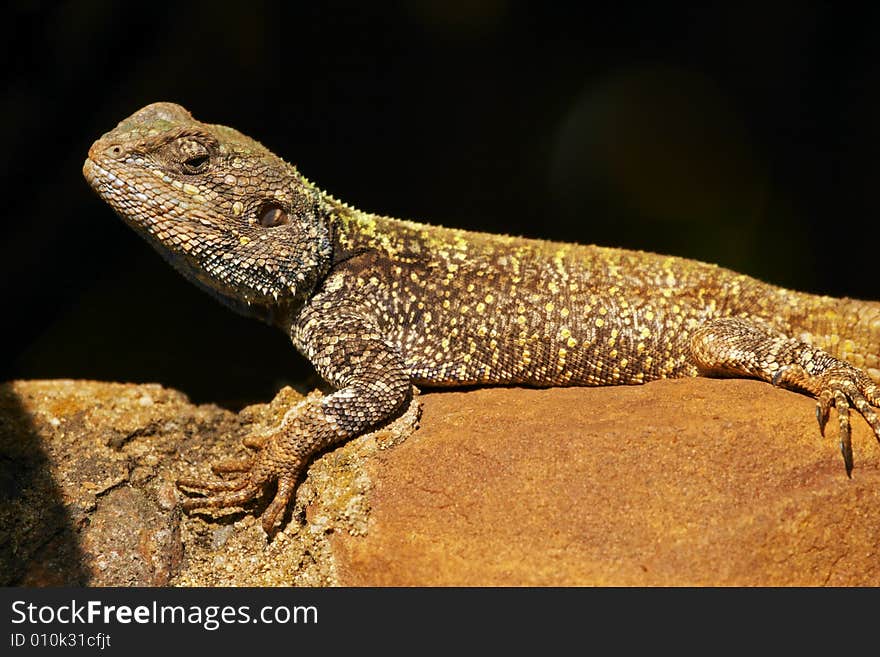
(378, 304)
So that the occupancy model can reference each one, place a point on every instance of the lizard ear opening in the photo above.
(271, 215)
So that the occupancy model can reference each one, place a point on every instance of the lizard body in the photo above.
(378, 304)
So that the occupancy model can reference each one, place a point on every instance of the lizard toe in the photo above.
(232, 465)
(273, 513)
(223, 499)
(841, 403)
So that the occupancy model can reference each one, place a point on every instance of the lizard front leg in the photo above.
(372, 383)
(745, 347)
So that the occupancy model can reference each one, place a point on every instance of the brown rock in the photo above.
(87, 493)
(679, 482)
(688, 482)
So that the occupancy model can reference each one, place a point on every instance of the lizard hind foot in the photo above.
(842, 388)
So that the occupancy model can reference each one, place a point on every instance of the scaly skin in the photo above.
(379, 304)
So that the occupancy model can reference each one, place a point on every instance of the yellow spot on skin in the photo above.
(521, 320)
(649, 315)
(600, 323)
(564, 312)
(572, 342)
(237, 208)
(446, 303)
(549, 307)
(564, 332)
(481, 307)
(490, 299)
(244, 240)
(624, 362)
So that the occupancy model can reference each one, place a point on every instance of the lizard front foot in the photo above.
(273, 463)
(841, 387)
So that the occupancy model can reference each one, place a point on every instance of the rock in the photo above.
(87, 493)
(688, 482)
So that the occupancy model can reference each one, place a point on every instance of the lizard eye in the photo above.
(271, 215)
(195, 164)
(195, 155)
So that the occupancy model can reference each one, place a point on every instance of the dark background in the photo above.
(740, 133)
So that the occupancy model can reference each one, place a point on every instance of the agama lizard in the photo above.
(380, 304)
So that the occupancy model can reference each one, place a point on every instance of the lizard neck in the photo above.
(355, 232)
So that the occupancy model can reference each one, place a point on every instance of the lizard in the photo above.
(379, 305)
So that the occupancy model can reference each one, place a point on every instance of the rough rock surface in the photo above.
(688, 482)
(87, 493)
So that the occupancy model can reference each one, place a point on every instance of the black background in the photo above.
(740, 133)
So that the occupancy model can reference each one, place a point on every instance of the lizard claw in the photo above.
(844, 389)
(823, 409)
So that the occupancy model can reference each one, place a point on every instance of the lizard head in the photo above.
(232, 217)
